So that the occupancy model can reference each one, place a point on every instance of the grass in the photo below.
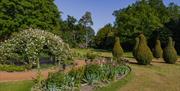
(156, 77)
(16, 86)
(104, 53)
(116, 85)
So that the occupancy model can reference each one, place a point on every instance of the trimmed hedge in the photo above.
(158, 52)
(144, 55)
(170, 54)
(117, 50)
(12, 68)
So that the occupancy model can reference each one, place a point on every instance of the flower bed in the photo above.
(92, 76)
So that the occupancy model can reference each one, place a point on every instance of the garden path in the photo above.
(30, 75)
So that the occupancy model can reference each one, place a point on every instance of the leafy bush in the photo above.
(91, 55)
(169, 54)
(76, 74)
(92, 74)
(11, 68)
(57, 81)
(158, 52)
(144, 55)
(28, 44)
(117, 49)
(121, 70)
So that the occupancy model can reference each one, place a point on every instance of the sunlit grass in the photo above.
(104, 53)
(16, 86)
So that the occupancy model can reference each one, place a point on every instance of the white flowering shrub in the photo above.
(27, 45)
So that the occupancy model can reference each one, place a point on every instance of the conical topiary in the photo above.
(158, 52)
(170, 54)
(143, 55)
(117, 50)
(135, 47)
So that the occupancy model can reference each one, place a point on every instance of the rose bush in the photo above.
(26, 46)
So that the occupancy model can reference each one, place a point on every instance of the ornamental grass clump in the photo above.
(170, 54)
(144, 55)
(158, 52)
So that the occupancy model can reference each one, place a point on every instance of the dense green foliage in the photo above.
(169, 53)
(80, 31)
(18, 15)
(117, 50)
(136, 47)
(105, 37)
(144, 55)
(150, 17)
(26, 46)
(158, 52)
(11, 68)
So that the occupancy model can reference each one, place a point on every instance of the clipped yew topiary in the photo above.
(170, 54)
(117, 50)
(135, 47)
(143, 53)
(158, 52)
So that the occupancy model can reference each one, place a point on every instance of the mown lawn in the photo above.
(16, 86)
(104, 53)
(114, 86)
(157, 77)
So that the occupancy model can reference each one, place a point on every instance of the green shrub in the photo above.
(135, 47)
(170, 54)
(117, 49)
(27, 44)
(121, 70)
(92, 74)
(11, 68)
(91, 55)
(77, 75)
(56, 81)
(158, 52)
(144, 55)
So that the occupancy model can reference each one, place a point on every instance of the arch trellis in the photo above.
(28, 44)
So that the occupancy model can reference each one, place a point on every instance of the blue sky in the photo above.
(101, 9)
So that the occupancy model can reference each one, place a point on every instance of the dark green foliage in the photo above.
(105, 37)
(144, 55)
(169, 53)
(11, 68)
(135, 47)
(117, 50)
(158, 52)
(148, 16)
(138, 17)
(22, 14)
(81, 32)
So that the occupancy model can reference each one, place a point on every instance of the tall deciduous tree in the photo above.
(17, 15)
(86, 21)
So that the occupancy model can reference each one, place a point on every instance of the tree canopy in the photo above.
(17, 15)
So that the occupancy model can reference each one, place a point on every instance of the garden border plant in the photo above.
(93, 75)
